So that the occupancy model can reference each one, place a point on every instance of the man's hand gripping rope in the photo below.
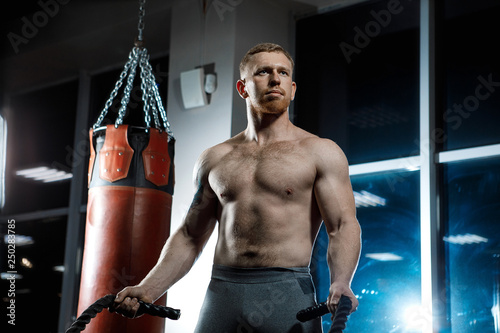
(108, 302)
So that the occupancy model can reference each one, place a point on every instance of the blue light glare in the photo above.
(387, 280)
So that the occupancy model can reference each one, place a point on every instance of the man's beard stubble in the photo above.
(273, 105)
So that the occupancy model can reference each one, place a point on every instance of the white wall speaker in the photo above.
(192, 88)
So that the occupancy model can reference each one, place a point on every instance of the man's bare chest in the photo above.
(281, 169)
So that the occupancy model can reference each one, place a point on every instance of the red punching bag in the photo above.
(131, 182)
(128, 219)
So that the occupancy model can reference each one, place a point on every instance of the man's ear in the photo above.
(294, 89)
(240, 86)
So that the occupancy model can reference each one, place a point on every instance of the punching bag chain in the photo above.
(152, 103)
(128, 88)
(142, 12)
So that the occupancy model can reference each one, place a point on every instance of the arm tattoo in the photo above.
(198, 195)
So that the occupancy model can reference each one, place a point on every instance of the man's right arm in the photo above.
(338, 209)
(181, 249)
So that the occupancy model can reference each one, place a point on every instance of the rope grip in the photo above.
(339, 318)
(108, 302)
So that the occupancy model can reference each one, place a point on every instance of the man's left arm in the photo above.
(335, 200)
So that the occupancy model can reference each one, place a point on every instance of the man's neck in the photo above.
(265, 128)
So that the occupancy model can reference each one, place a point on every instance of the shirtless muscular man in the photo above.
(269, 188)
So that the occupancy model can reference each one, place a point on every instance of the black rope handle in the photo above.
(108, 301)
(339, 319)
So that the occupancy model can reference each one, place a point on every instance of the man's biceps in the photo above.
(327, 191)
(200, 229)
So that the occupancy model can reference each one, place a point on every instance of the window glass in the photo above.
(472, 73)
(387, 282)
(357, 74)
(472, 245)
(41, 134)
(3, 152)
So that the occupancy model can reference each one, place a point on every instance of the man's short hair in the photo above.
(263, 47)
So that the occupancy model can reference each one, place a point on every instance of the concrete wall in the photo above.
(195, 130)
(222, 36)
(256, 22)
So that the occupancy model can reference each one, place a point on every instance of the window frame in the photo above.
(429, 161)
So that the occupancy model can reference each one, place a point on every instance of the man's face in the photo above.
(267, 82)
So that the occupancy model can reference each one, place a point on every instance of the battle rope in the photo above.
(107, 302)
(339, 319)
(338, 324)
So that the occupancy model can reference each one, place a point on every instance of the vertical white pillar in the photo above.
(428, 171)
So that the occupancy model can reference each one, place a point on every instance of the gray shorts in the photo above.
(257, 300)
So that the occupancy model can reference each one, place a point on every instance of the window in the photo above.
(472, 73)
(357, 79)
(41, 135)
(387, 281)
(470, 189)
(3, 151)
(451, 221)
(471, 241)
(39, 267)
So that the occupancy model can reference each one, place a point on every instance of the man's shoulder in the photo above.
(316, 144)
(324, 152)
(216, 152)
(222, 148)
